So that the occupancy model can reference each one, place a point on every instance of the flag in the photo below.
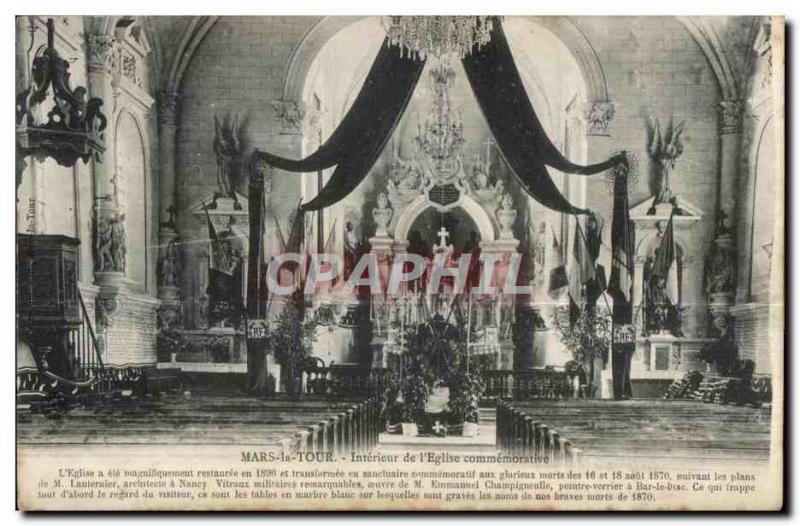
(620, 283)
(594, 236)
(664, 265)
(558, 272)
(581, 270)
(620, 287)
(221, 267)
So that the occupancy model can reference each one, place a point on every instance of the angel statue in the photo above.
(664, 149)
(229, 151)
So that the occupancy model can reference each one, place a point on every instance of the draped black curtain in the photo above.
(363, 133)
(523, 142)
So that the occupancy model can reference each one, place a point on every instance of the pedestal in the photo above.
(660, 350)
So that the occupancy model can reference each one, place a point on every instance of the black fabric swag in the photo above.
(523, 141)
(620, 287)
(363, 133)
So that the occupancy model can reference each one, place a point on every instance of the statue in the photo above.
(110, 242)
(103, 258)
(170, 269)
(229, 151)
(506, 215)
(665, 150)
(661, 315)
(382, 215)
(722, 227)
(720, 275)
(118, 249)
(350, 249)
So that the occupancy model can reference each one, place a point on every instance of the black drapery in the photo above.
(363, 133)
(523, 141)
(620, 287)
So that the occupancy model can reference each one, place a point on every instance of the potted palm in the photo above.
(291, 341)
(588, 338)
(465, 391)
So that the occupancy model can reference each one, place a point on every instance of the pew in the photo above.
(308, 425)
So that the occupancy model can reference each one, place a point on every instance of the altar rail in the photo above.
(352, 431)
(520, 435)
(539, 384)
(344, 381)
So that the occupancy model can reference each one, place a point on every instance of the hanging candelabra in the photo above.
(441, 137)
(437, 36)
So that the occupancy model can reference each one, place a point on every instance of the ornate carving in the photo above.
(261, 173)
(128, 67)
(664, 149)
(597, 117)
(110, 243)
(102, 52)
(290, 115)
(382, 215)
(763, 47)
(74, 122)
(170, 316)
(721, 271)
(168, 107)
(105, 309)
(730, 114)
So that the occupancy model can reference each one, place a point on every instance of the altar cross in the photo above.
(443, 235)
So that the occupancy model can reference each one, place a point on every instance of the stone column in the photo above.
(721, 266)
(169, 257)
(109, 226)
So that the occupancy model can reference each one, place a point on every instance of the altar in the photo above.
(460, 219)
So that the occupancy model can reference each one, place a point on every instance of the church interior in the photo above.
(166, 165)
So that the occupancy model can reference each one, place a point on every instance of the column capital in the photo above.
(101, 54)
(290, 114)
(168, 105)
(597, 116)
(730, 116)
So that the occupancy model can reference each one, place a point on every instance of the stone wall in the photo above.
(752, 335)
(655, 68)
(238, 68)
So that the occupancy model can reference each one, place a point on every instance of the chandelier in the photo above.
(441, 138)
(423, 36)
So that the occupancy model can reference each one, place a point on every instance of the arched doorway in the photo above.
(461, 230)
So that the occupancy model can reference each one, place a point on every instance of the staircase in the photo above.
(78, 375)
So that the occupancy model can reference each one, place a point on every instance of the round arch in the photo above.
(566, 31)
(482, 219)
(134, 120)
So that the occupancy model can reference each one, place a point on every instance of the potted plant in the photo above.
(588, 338)
(465, 391)
(291, 341)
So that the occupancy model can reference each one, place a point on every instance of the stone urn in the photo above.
(506, 215)
(382, 215)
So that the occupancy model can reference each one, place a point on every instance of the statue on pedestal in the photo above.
(665, 150)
